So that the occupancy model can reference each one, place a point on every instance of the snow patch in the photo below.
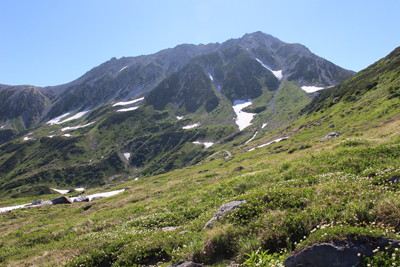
(122, 69)
(76, 116)
(106, 194)
(267, 144)
(127, 155)
(211, 77)
(311, 89)
(127, 109)
(76, 127)
(191, 126)
(61, 191)
(205, 144)
(50, 136)
(243, 118)
(128, 102)
(264, 124)
(56, 120)
(277, 73)
(179, 117)
(66, 135)
(80, 189)
(12, 208)
(251, 138)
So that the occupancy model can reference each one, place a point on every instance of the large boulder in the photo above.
(61, 200)
(39, 202)
(344, 253)
(227, 208)
(81, 199)
(330, 135)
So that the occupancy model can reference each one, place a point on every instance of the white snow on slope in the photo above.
(277, 73)
(211, 77)
(311, 89)
(56, 120)
(66, 135)
(206, 144)
(106, 194)
(127, 109)
(122, 69)
(128, 102)
(243, 118)
(76, 116)
(80, 189)
(264, 124)
(61, 191)
(127, 155)
(76, 127)
(267, 144)
(179, 117)
(191, 126)
(251, 138)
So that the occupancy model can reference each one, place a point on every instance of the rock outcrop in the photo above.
(183, 263)
(344, 253)
(330, 135)
(227, 208)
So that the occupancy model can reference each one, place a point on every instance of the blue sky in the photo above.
(51, 42)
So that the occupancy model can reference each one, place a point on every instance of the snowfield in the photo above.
(122, 69)
(127, 155)
(127, 109)
(311, 89)
(76, 116)
(66, 135)
(205, 144)
(264, 124)
(251, 137)
(267, 144)
(105, 194)
(191, 126)
(243, 118)
(211, 77)
(277, 73)
(76, 127)
(179, 117)
(128, 102)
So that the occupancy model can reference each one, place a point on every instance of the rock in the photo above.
(183, 263)
(39, 202)
(380, 116)
(394, 179)
(332, 126)
(227, 208)
(386, 111)
(87, 207)
(183, 232)
(329, 135)
(302, 147)
(96, 198)
(128, 187)
(81, 199)
(358, 99)
(239, 168)
(61, 200)
(342, 253)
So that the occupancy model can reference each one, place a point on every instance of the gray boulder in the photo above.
(61, 200)
(330, 135)
(227, 208)
(81, 199)
(344, 253)
(39, 202)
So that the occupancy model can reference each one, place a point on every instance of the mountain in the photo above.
(313, 180)
(151, 114)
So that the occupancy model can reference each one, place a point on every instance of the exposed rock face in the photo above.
(330, 135)
(339, 253)
(227, 208)
(183, 263)
(81, 199)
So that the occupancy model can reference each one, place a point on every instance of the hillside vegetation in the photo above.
(299, 191)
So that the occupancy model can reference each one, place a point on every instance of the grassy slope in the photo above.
(291, 193)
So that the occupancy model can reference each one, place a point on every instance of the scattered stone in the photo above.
(227, 208)
(87, 207)
(168, 228)
(183, 263)
(358, 99)
(371, 175)
(332, 126)
(380, 116)
(128, 187)
(342, 253)
(61, 200)
(81, 199)
(329, 135)
(156, 182)
(386, 111)
(39, 202)
(394, 179)
(302, 147)
(239, 168)
(203, 171)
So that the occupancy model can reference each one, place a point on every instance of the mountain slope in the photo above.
(152, 114)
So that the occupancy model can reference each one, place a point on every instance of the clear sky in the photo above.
(51, 42)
